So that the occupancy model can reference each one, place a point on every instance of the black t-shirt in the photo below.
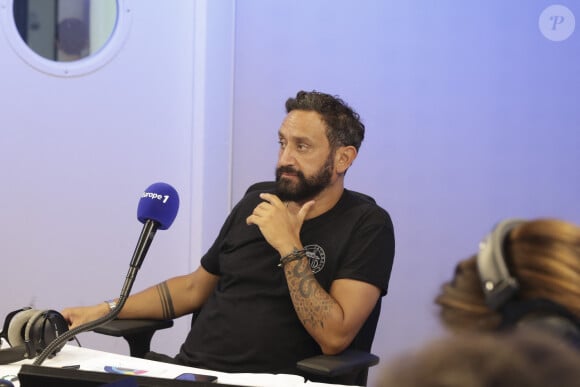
(249, 323)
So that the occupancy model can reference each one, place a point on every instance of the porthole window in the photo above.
(66, 37)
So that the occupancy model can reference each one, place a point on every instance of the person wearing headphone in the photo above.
(526, 273)
(512, 311)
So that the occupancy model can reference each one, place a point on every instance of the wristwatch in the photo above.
(112, 304)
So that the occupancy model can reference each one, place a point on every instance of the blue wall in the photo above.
(471, 114)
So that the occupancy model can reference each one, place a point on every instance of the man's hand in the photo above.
(84, 314)
(279, 225)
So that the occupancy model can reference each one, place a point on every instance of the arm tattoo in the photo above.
(312, 303)
(166, 302)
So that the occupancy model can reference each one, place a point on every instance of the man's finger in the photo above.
(272, 199)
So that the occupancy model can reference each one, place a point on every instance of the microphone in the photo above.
(157, 209)
(159, 203)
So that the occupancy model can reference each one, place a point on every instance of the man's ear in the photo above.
(344, 157)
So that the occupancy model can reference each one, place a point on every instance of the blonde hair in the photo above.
(544, 256)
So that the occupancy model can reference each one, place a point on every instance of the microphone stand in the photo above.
(145, 239)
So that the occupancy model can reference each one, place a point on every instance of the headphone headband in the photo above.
(496, 282)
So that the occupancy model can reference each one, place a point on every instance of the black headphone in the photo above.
(500, 290)
(29, 332)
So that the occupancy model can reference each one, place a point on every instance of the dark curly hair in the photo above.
(343, 124)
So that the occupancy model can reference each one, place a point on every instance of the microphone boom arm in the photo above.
(145, 239)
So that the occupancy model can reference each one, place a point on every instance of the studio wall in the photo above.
(79, 147)
(470, 109)
(471, 116)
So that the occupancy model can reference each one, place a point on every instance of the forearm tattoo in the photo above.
(166, 301)
(312, 303)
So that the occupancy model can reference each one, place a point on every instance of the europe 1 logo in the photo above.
(154, 195)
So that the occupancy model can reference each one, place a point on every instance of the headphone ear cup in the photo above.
(53, 325)
(33, 334)
(42, 328)
(17, 327)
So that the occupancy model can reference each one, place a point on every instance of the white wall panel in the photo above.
(76, 153)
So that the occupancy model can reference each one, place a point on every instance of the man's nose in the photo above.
(286, 156)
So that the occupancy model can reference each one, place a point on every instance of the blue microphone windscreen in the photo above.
(159, 203)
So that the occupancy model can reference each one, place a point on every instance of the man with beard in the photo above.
(296, 270)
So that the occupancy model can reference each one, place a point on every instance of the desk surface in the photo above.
(93, 360)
